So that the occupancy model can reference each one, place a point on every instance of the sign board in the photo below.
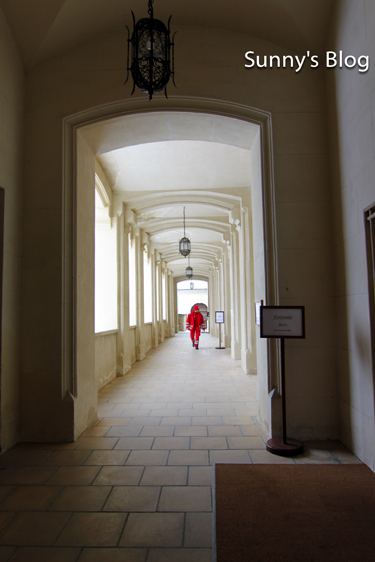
(258, 304)
(282, 321)
(219, 317)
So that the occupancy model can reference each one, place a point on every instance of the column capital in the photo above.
(235, 217)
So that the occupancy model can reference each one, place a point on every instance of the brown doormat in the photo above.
(287, 513)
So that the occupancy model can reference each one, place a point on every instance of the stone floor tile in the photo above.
(145, 421)
(164, 413)
(5, 491)
(109, 413)
(97, 443)
(153, 406)
(135, 413)
(125, 431)
(180, 555)
(96, 431)
(208, 443)
(61, 446)
(200, 476)
(178, 420)
(193, 412)
(25, 457)
(6, 551)
(81, 498)
(165, 476)
(74, 475)
(45, 554)
(212, 420)
(153, 530)
(179, 405)
(133, 498)
(92, 529)
(5, 471)
(246, 443)
(64, 458)
(30, 498)
(188, 458)
(132, 443)
(113, 555)
(264, 457)
(145, 458)
(119, 475)
(343, 456)
(315, 456)
(221, 412)
(171, 443)
(238, 420)
(230, 456)
(224, 431)
(5, 517)
(34, 529)
(185, 498)
(198, 530)
(113, 421)
(252, 430)
(107, 458)
(157, 431)
(191, 430)
(30, 475)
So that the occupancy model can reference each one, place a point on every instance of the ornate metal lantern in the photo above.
(184, 244)
(151, 46)
(189, 270)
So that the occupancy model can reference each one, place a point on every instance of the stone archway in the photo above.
(75, 129)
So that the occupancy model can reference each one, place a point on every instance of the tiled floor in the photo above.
(136, 487)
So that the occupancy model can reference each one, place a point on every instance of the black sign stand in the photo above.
(219, 319)
(282, 445)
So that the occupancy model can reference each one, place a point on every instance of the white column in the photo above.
(139, 343)
(124, 223)
(236, 318)
(155, 338)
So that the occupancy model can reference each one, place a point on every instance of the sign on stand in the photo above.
(283, 322)
(219, 319)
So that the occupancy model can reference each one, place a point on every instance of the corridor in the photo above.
(136, 486)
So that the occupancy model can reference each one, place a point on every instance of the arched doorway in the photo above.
(228, 269)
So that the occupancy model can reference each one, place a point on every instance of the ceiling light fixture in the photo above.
(189, 270)
(184, 244)
(151, 47)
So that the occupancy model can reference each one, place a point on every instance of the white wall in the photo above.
(352, 111)
(105, 358)
(11, 177)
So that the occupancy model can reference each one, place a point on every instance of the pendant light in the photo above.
(184, 244)
(151, 49)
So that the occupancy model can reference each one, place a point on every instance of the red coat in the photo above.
(194, 320)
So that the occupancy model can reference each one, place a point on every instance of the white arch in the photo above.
(190, 111)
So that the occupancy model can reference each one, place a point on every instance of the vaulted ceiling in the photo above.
(195, 161)
(47, 28)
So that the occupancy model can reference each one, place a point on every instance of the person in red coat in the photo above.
(194, 323)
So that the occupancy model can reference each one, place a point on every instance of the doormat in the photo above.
(283, 513)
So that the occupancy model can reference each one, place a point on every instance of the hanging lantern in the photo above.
(151, 46)
(184, 244)
(189, 270)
